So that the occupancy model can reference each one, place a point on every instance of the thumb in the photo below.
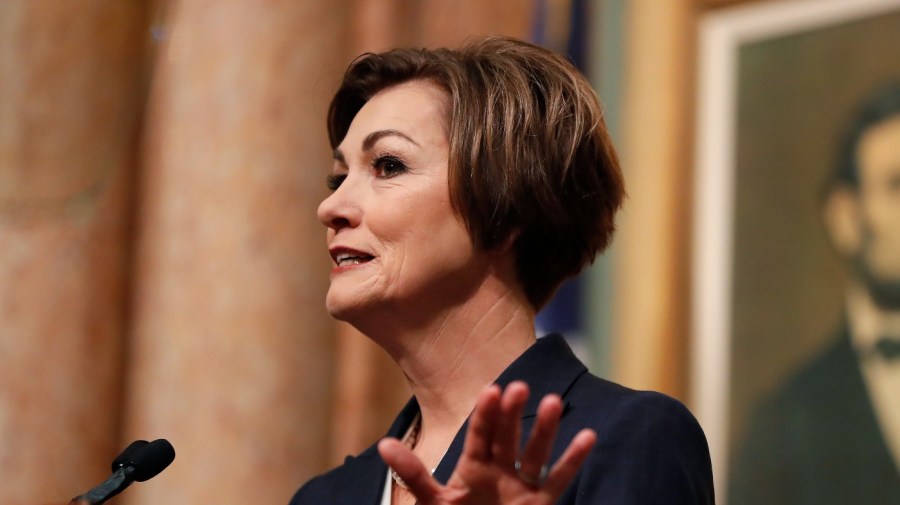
(410, 468)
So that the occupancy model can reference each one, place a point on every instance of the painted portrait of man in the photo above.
(830, 433)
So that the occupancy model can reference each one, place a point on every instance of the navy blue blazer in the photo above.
(650, 449)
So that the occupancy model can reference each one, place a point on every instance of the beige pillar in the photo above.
(233, 352)
(69, 103)
(651, 263)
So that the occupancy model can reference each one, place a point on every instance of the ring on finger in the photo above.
(534, 481)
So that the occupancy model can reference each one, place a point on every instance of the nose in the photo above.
(339, 210)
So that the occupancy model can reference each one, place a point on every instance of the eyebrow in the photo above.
(370, 140)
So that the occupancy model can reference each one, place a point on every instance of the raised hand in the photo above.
(491, 469)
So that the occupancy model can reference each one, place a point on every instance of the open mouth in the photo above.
(349, 259)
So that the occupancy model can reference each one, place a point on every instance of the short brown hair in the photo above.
(530, 156)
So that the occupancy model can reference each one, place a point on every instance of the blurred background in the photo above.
(162, 269)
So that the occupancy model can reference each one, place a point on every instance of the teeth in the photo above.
(349, 259)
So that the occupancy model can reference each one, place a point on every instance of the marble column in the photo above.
(70, 98)
(232, 356)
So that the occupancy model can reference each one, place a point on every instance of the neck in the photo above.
(454, 364)
(454, 355)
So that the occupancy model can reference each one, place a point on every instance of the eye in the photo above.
(334, 181)
(388, 166)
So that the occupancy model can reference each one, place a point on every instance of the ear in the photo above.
(843, 220)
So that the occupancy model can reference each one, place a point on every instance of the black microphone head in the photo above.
(152, 458)
(127, 456)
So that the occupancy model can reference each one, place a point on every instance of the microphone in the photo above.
(140, 461)
(127, 456)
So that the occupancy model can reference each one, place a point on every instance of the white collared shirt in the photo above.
(388, 484)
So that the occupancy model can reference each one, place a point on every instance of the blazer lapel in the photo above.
(364, 480)
(368, 470)
(548, 366)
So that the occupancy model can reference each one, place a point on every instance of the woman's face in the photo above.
(395, 241)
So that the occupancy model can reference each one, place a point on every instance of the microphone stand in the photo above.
(115, 484)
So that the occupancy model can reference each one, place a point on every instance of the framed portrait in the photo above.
(778, 83)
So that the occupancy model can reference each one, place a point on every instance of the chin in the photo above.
(338, 311)
(345, 308)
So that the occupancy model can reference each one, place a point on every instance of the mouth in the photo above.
(344, 257)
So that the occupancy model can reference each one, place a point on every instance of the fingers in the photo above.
(410, 469)
(507, 431)
(570, 462)
(482, 425)
(540, 443)
(491, 447)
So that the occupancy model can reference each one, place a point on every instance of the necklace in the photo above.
(410, 440)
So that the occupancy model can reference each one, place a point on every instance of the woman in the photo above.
(467, 185)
